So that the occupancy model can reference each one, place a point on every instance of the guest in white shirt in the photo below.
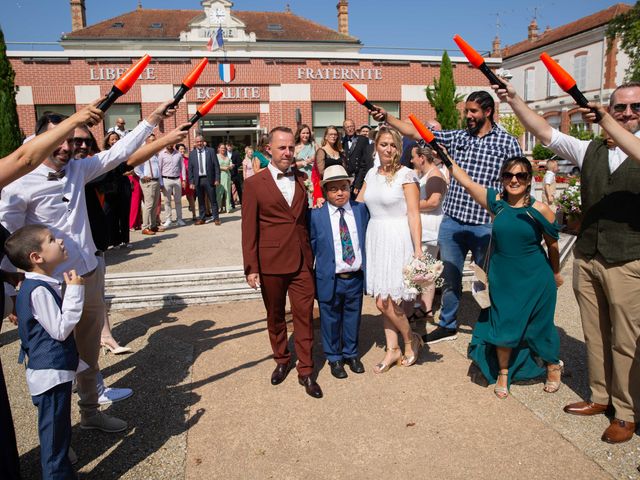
(549, 184)
(119, 128)
(150, 183)
(53, 194)
(171, 167)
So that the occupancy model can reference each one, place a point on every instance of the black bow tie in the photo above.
(286, 174)
(55, 175)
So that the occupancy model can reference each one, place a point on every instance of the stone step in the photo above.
(166, 288)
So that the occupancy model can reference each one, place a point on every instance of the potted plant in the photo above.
(570, 205)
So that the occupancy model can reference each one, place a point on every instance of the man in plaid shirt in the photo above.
(480, 150)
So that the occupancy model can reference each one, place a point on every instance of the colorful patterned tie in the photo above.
(348, 254)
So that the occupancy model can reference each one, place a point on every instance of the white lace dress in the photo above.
(388, 242)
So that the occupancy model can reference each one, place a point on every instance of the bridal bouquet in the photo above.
(422, 272)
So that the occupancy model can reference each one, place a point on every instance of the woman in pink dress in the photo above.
(247, 163)
(187, 191)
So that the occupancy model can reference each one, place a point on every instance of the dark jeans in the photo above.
(204, 188)
(117, 207)
(455, 240)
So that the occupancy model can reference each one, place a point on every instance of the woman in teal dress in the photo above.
(515, 338)
(260, 156)
(223, 191)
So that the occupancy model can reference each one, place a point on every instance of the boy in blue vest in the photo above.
(45, 325)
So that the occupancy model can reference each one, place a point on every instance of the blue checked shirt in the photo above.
(481, 158)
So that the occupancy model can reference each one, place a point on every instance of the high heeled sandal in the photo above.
(501, 392)
(383, 367)
(553, 387)
(416, 343)
(116, 350)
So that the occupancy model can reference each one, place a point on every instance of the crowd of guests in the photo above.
(333, 221)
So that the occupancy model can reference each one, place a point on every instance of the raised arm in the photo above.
(405, 128)
(34, 152)
(533, 122)
(477, 191)
(148, 150)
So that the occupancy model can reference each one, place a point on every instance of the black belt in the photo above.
(202, 176)
(172, 178)
(348, 275)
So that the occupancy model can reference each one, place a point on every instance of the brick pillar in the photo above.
(610, 63)
(78, 15)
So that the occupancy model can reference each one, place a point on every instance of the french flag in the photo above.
(227, 72)
(217, 42)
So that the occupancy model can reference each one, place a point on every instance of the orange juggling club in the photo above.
(566, 82)
(428, 137)
(360, 98)
(477, 61)
(125, 82)
(203, 109)
(188, 82)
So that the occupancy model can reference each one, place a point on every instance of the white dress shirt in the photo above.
(61, 205)
(57, 322)
(202, 162)
(286, 185)
(349, 216)
(574, 150)
(150, 168)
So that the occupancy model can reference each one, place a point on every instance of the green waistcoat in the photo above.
(610, 206)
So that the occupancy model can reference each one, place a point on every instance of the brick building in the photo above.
(287, 69)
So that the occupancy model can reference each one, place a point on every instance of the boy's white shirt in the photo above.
(57, 322)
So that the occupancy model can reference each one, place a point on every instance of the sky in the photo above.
(399, 24)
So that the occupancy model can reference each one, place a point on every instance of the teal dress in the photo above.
(523, 295)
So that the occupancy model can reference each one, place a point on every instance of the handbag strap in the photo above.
(487, 256)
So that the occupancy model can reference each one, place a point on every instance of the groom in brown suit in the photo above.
(277, 255)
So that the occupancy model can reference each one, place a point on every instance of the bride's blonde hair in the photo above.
(397, 141)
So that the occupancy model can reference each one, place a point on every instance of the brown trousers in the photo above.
(609, 299)
(274, 289)
(87, 335)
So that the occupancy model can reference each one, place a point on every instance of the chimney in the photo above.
(495, 47)
(343, 16)
(78, 15)
(533, 30)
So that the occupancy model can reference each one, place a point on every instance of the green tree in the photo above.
(442, 96)
(540, 152)
(512, 125)
(10, 137)
(627, 27)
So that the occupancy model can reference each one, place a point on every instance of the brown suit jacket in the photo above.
(275, 237)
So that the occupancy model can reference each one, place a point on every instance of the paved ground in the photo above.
(204, 408)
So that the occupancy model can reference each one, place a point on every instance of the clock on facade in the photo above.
(217, 15)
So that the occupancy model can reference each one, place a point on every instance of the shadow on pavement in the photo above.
(159, 412)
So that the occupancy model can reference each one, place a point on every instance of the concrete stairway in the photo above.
(209, 285)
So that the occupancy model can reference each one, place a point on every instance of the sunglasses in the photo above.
(78, 141)
(621, 107)
(521, 176)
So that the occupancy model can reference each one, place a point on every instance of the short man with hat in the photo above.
(337, 240)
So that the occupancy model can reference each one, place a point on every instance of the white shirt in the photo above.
(121, 133)
(350, 218)
(549, 178)
(150, 168)
(286, 185)
(202, 162)
(61, 205)
(574, 150)
(57, 322)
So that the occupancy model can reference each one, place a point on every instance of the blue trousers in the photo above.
(54, 429)
(340, 319)
(456, 239)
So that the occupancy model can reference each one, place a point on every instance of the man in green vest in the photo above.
(606, 275)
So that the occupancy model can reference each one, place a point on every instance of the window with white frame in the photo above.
(580, 70)
(325, 114)
(552, 87)
(391, 107)
(529, 83)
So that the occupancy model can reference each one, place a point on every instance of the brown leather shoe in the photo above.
(310, 386)
(280, 373)
(147, 231)
(619, 431)
(216, 221)
(199, 222)
(585, 408)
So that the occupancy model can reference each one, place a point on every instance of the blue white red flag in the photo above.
(217, 42)
(227, 72)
